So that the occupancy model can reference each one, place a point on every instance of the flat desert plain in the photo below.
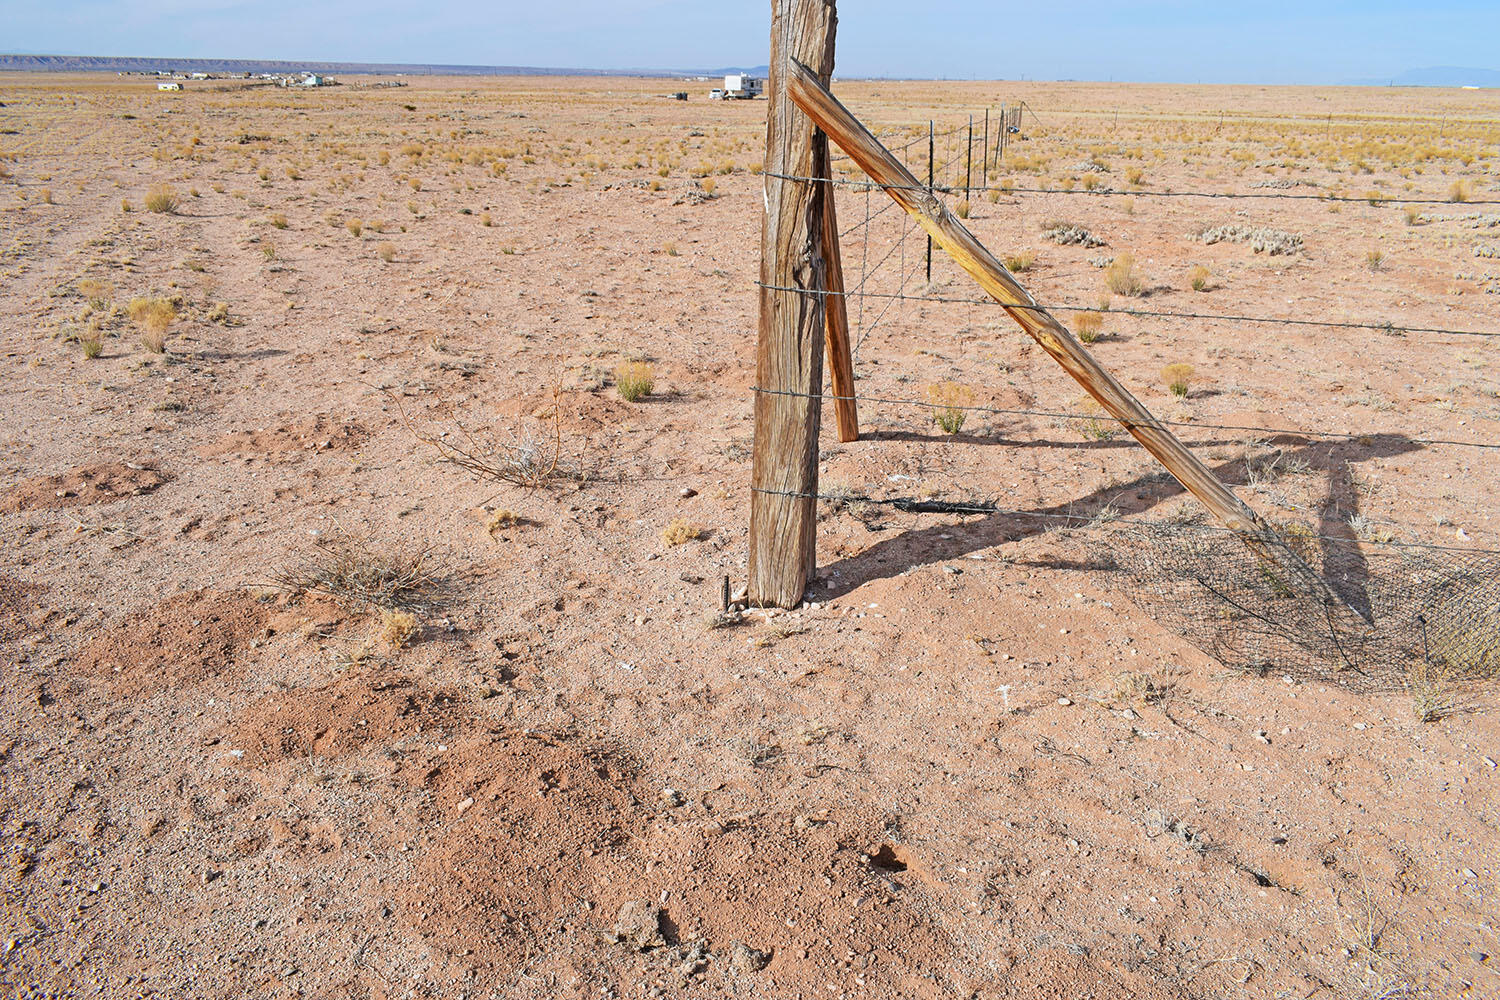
(360, 638)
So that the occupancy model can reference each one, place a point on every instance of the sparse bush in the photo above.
(634, 381)
(355, 570)
(125, 205)
(1178, 378)
(680, 532)
(1459, 191)
(93, 345)
(485, 220)
(1198, 278)
(387, 252)
(162, 200)
(1021, 262)
(279, 221)
(355, 226)
(1374, 259)
(502, 519)
(1088, 326)
(219, 313)
(1134, 176)
(1121, 278)
(670, 248)
(46, 196)
(949, 405)
(1413, 215)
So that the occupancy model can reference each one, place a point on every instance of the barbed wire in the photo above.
(1386, 326)
(1100, 518)
(1108, 191)
(1069, 415)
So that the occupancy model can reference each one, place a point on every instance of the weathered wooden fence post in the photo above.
(789, 353)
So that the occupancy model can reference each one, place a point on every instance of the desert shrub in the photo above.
(387, 252)
(356, 570)
(264, 173)
(1459, 191)
(963, 209)
(1021, 262)
(219, 313)
(1178, 378)
(1134, 176)
(355, 226)
(1413, 215)
(1088, 326)
(125, 205)
(46, 196)
(949, 405)
(634, 381)
(680, 532)
(1121, 278)
(1374, 259)
(162, 200)
(485, 220)
(93, 345)
(279, 220)
(1198, 278)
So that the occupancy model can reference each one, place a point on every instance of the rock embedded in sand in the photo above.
(743, 958)
(639, 925)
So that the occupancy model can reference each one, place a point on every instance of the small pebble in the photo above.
(1065, 702)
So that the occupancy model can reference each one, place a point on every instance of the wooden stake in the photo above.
(789, 351)
(833, 118)
(836, 309)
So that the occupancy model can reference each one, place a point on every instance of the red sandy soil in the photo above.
(935, 780)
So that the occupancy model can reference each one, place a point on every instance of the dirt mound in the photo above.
(186, 640)
(321, 433)
(98, 483)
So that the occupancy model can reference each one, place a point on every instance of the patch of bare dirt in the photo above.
(188, 639)
(16, 599)
(99, 483)
(321, 433)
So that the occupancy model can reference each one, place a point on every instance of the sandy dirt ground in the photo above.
(970, 766)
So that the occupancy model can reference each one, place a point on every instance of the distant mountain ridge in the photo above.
(144, 64)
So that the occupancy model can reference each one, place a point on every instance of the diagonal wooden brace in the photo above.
(812, 97)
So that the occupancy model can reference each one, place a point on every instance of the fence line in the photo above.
(1142, 193)
(1070, 415)
(1387, 326)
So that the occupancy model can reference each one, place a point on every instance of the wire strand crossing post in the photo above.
(791, 330)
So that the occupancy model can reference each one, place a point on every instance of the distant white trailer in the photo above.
(741, 87)
(169, 86)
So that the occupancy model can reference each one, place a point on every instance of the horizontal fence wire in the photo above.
(1135, 193)
(1100, 518)
(1068, 415)
(1386, 327)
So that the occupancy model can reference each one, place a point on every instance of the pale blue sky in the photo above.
(1270, 41)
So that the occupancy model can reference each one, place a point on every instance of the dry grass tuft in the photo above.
(162, 200)
(634, 381)
(355, 226)
(397, 628)
(1088, 326)
(153, 316)
(1198, 278)
(1178, 377)
(387, 252)
(1460, 191)
(680, 532)
(949, 401)
(1019, 263)
(1121, 278)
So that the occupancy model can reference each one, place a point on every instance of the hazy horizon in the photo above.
(1173, 42)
